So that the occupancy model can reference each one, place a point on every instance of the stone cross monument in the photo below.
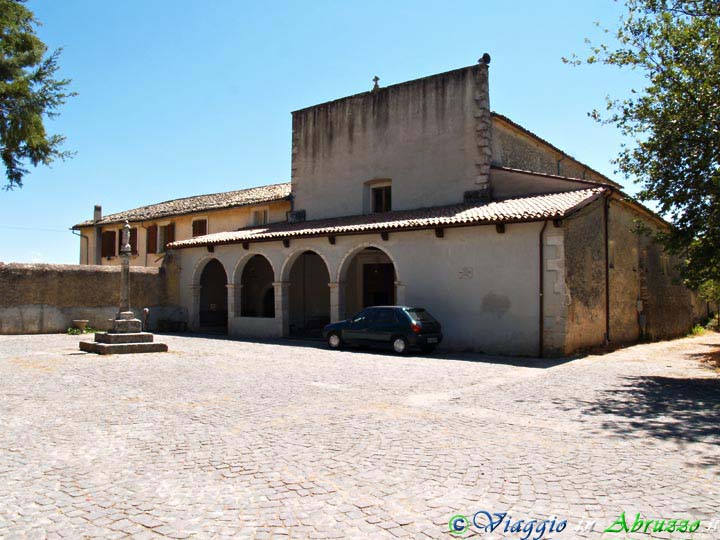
(126, 335)
(125, 322)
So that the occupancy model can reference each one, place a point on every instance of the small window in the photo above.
(199, 227)
(260, 217)
(166, 236)
(108, 244)
(382, 199)
(151, 240)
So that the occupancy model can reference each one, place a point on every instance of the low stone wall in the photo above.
(46, 298)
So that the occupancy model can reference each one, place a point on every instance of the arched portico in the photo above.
(367, 276)
(306, 293)
(210, 298)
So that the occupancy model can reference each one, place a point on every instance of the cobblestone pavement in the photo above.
(227, 439)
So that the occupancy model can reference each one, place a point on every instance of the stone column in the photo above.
(231, 299)
(337, 300)
(400, 293)
(282, 305)
(194, 315)
(483, 128)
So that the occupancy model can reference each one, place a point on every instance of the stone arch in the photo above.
(306, 274)
(284, 274)
(367, 275)
(212, 306)
(199, 267)
(242, 261)
(348, 257)
(256, 296)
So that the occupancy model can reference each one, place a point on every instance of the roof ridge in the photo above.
(537, 208)
(551, 145)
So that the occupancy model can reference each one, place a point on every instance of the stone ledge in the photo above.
(122, 348)
(132, 337)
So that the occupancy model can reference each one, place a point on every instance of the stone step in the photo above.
(132, 337)
(122, 348)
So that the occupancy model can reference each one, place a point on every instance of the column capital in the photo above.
(280, 283)
(231, 286)
(334, 284)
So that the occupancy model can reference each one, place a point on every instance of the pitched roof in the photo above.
(198, 203)
(518, 210)
(539, 139)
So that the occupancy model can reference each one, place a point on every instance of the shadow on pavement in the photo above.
(517, 361)
(681, 410)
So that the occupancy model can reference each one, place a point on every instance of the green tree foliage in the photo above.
(29, 94)
(674, 122)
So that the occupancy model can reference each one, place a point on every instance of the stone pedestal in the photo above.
(126, 337)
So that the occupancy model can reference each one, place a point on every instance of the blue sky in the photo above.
(180, 97)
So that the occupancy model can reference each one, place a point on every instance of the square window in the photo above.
(381, 199)
(199, 227)
(260, 217)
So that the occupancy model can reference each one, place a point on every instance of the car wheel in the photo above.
(400, 345)
(334, 340)
(427, 349)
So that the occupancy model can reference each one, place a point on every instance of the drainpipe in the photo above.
(87, 244)
(541, 281)
(607, 271)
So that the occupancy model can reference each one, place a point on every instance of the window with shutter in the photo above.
(108, 244)
(133, 241)
(151, 239)
(199, 227)
(169, 234)
(166, 235)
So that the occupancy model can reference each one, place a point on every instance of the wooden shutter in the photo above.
(169, 234)
(199, 227)
(151, 239)
(133, 241)
(108, 244)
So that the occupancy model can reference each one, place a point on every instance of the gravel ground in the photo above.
(230, 439)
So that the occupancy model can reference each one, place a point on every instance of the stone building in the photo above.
(156, 225)
(418, 194)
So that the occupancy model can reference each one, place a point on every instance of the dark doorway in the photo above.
(213, 298)
(258, 293)
(309, 296)
(378, 285)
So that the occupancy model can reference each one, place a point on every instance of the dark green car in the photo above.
(398, 327)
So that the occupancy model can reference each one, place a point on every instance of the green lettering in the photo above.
(659, 525)
(694, 526)
(637, 524)
(683, 526)
(647, 524)
(620, 522)
(672, 524)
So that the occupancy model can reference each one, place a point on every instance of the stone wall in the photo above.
(430, 137)
(514, 148)
(46, 298)
(647, 301)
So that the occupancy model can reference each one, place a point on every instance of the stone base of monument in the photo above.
(126, 337)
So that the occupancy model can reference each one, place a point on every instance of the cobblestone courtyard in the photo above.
(226, 439)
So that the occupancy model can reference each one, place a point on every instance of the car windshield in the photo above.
(419, 314)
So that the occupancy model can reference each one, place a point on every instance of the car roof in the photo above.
(394, 307)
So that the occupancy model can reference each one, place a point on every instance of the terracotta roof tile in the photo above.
(198, 203)
(523, 209)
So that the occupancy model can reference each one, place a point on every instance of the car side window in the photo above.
(386, 316)
(363, 316)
